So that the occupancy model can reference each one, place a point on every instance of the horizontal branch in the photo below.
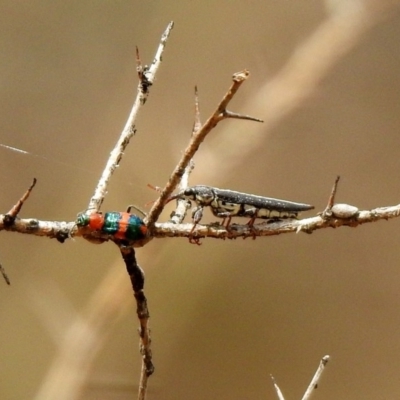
(339, 215)
(270, 228)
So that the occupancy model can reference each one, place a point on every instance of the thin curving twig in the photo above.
(146, 80)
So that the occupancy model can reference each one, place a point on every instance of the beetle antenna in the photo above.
(128, 210)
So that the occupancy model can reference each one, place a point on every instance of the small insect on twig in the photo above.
(120, 225)
(228, 203)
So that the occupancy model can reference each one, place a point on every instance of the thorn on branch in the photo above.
(327, 213)
(230, 114)
(341, 211)
(9, 218)
(3, 272)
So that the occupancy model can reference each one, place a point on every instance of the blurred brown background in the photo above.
(224, 315)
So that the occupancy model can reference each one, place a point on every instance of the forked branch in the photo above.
(197, 138)
(311, 387)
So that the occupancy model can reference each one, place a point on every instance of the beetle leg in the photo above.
(250, 224)
(229, 217)
(197, 215)
(225, 215)
(193, 240)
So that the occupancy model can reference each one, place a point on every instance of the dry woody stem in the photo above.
(136, 275)
(197, 138)
(311, 387)
(334, 215)
(146, 79)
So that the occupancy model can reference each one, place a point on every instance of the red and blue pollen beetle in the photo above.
(121, 225)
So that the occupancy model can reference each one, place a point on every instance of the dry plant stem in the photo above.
(9, 218)
(136, 275)
(331, 200)
(307, 225)
(219, 114)
(182, 205)
(314, 381)
(58, 230)
(277, 389)
(129, 129)
(5, 276)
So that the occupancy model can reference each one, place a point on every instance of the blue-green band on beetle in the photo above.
(121, 225)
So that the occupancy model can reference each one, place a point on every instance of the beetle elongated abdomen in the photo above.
(226, 203)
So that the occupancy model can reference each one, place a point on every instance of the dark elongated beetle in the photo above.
(228, 203)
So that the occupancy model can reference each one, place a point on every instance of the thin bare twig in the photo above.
(277, 389)
(148, 75)
(9, 218)
(219, 114)
(4, 274)
(314, 381)
(313, 384)
(331, 200)
(136, 275)
(183, 206)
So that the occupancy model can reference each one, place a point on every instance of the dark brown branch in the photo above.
(4, 274)
(136, 275)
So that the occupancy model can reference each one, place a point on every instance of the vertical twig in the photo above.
(182, 205)
(5, 276)
(136, 275)
(146, 80)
